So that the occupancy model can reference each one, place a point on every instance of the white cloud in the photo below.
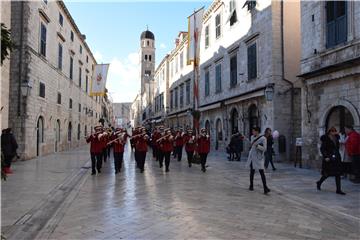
(99, 57)
(123, 82)
(162, 46)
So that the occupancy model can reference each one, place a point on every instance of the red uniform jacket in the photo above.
(95, 145)
(189, 146)
(167, 145)
(141, 144)
(352, 144)
(118, 145)
(154, 138)
(103, 142)
(179, 141)
(203, 144)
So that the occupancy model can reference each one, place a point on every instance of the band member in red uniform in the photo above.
(155, 146)
(179, 143)
(141, 148)
(203, 144)
(95, 150)
(160, 153)
(190, 145)
(103, 145)
(118, 141)
(166, 145)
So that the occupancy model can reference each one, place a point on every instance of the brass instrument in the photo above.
(137, 135)
(120, 136)
(167, 137)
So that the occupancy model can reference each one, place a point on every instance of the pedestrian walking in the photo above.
(236, 145)
(190, 145)
(95, 149)
(269, 149)
(155, 146)
(8, 148)
(331, 163)
(256, 158)
(352, 146)
(203, 147)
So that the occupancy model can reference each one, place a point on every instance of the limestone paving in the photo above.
(188, 204)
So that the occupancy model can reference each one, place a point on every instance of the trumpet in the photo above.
(167, 137)
(121, 137)
(95, 134)
(137, 135)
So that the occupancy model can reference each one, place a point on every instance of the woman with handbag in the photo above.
(256, 158)
(331, 164)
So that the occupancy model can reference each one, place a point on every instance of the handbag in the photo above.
(196, 158)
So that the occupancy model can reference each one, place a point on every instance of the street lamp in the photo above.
(25, 88)
(269, 92)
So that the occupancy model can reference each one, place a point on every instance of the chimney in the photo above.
(177, 41)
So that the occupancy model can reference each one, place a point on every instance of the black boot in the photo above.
(338, 185)
(252, 173)
(263, 179)
(318, 183)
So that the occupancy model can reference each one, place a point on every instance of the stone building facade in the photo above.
(51, 70)
(330, 71)
(5, 70)
(122, 114)
(249, 56)
(181, 77)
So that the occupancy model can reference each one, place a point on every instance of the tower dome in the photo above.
(147, 34)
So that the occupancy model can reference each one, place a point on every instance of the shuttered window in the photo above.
(233, 71)
(71, 68)
(187, 92)
(252, 62)
(207, 82)
(181, 95)
(336, 23)
(42, 90)
(60, 53)
(218, 78)
(43, 40)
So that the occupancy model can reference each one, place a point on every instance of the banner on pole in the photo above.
(98, 81)
(194, 32)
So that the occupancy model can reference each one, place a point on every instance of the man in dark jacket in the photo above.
(8, 148)
(236, 145)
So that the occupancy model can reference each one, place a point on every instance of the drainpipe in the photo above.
(292, 117)
(20, 57)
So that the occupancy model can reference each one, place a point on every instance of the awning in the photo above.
(245, 97)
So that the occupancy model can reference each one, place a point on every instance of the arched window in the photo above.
(207, 126)
(58, 130)
(69, 131)
(219, 130)
(339, 117)
(85, 130)
(145, 57)
(148, 42)
(253, 117)
(150, 58)
(234, 120)
(78, 132)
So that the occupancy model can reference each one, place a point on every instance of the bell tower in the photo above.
(147, 64)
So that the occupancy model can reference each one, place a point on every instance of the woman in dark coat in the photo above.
(8, 148)
(269, 149)
(331, 163)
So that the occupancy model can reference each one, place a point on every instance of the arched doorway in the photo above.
(39, 134)
(339, 117)
(78, 132)
(219, 134)
(207, 126)
(253, 117)
(234, 120)
(57, 135)
(69, 131)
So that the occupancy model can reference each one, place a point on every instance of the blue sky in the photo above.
(113, 31)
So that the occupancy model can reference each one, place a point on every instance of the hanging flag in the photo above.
(98, 82)
(194, 32)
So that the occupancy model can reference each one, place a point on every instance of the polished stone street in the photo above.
(56, 198)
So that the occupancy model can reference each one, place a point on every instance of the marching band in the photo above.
(162, 141)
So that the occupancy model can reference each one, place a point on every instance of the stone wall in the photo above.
(26, 111)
